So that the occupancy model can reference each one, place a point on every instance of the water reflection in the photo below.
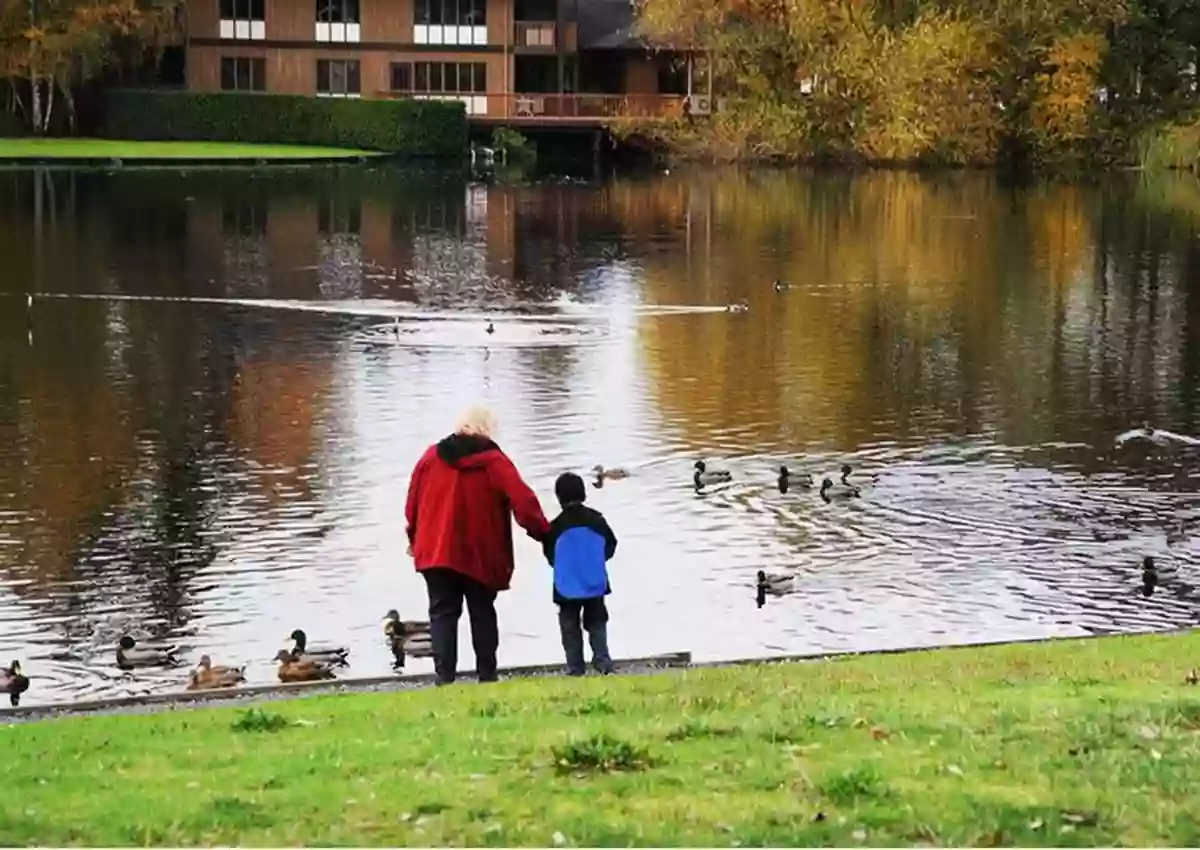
(220, 471)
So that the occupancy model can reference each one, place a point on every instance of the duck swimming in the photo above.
(705, 476)
(846, 470)
(738, 306)
(13, 682)
(207, 676)
(780, 286)
(1149, 576)
(776, 585)
(292, 669)
(491, 328)
(614, 474)
(786, 480)
(130, 656)
(301, 651)
(831, 491)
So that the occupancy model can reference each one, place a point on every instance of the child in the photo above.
(578, 545)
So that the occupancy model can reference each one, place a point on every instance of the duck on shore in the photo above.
(13, 682)
(207, 675)
(302, 651)
(705, 476)
(406, 636)
(130, 655)
(293, 669)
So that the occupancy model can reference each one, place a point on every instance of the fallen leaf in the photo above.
(1147, 732)
(859, 723)
(559, 839)
(859, 835)
(1156, 755)
(406, 816)
(1192, 677)
(879, 733)
(955, 769)
(1036, 824)
(1067, 827)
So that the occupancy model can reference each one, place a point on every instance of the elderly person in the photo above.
(462, 491)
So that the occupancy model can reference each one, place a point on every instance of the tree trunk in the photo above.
(35, 100)
(69, 99)
(49, 104)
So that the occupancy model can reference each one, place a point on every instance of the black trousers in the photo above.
(447, 590)
(575, 616)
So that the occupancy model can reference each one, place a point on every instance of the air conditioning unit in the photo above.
(698, 104)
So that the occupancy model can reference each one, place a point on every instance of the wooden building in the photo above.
(522, 62)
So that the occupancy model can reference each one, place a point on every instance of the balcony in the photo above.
(588, 108)
(545, 36)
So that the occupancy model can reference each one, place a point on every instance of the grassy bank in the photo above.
(1084, 743)
(107, 149)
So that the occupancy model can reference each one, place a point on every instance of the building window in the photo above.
(449, 77)
(239, 73)
(338, 20)
(243, 19)
(338, 78)
(450, 21)
(402, 76)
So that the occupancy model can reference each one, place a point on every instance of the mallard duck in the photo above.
(13, 682)
(130, 656)
(293, 669)
(738, 306)
(786, 480)
(614, 474)
(846, 471)
(491, 328)
(774, 584)
(705, 476)
(780, 286)
(831, 491)
(406, 636)
(207, 676)
(320, 654)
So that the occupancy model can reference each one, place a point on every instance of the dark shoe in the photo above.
(572, 671)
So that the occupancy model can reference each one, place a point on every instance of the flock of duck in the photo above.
(304, 662)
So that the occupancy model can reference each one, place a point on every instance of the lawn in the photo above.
(1076, 743)
(106, 149)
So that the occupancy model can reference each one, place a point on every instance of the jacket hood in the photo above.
(464, 451)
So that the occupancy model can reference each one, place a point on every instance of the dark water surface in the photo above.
(208, 436)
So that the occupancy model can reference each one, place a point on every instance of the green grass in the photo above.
(1082, 743)
(106, 149)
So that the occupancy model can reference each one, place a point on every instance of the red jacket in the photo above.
(459, 500)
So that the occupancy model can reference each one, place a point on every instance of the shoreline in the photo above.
(169, 701)
(118, 153)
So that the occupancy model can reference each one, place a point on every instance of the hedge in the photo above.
(410, 127)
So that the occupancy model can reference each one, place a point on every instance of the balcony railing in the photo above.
(552, 107)
(534, 34)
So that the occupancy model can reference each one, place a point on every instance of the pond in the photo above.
(208, 419)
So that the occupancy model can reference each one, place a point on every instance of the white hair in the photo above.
(477, 421)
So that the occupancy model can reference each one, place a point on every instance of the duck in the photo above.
(293, 669)
(846, 471)
(396, 326)
(831, 491)
(13, 682)
(301, 651)
(614, 474)
(130, 656)
(207, 676)
(786, 480)
(705, 476)
(491, 328)
(406, 635)
(738, 306)
(780, 286)
(776, 585)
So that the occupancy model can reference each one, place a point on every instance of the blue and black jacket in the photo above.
(578, 545)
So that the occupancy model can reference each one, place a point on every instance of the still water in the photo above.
(207, 424)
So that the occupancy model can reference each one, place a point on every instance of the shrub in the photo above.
(410, 127)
